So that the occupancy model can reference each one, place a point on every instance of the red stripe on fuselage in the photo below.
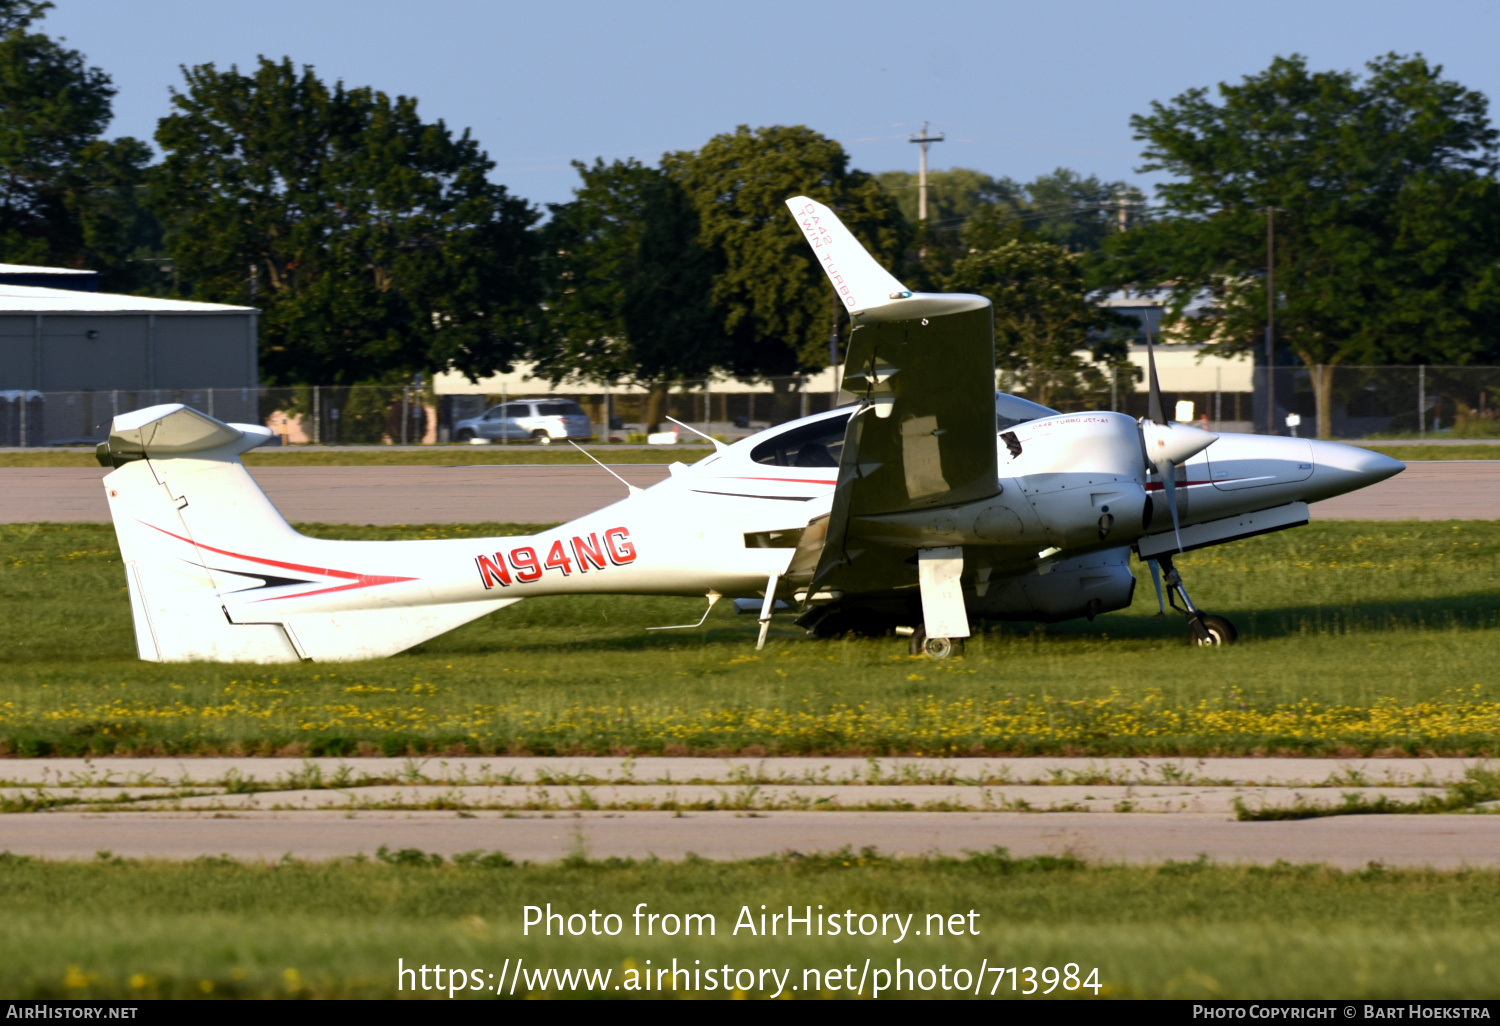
(355, 580)
(793, 480)
(1156, 486)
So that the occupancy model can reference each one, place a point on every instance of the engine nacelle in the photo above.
(1082, 474)
(1097, 583)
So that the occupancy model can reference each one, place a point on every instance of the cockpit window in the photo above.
(813, 445)
(1011, 410)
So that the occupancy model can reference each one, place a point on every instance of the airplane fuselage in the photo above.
(726, 524)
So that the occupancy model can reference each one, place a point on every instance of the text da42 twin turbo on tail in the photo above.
(926, 502)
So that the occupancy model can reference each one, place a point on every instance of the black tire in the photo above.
(1219, 631)
(541, 437)
(915, 641)
(464, 436)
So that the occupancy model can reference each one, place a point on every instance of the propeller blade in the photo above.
(1154, 411)
(1161, 603)
(1169, 485)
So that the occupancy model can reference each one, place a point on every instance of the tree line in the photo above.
(376, 244)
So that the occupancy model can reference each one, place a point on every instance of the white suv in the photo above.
(542, 421)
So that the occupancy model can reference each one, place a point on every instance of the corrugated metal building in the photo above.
(69, 360)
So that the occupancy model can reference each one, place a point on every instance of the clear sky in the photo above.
(1018, 88)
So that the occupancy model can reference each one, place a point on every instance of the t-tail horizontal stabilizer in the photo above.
(207, 554)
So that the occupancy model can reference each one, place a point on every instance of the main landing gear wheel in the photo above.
(1207, 629)
(1204, 629)
(934, 648)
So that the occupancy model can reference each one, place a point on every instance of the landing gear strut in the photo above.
(1203, 628)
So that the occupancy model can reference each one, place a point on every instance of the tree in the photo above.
(67, 197)
(953, 196)
(1044, 317)
(1387, 223)
(373, 241)
(954, 199)
(1077, 212)
(770, 296)
(629, 284)
(1063, 208)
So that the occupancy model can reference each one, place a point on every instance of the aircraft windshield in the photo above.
(813, 445)
(1011, 410)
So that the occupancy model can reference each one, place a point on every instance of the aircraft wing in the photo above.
(922, 367)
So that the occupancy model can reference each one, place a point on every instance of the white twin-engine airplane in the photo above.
(928, 502)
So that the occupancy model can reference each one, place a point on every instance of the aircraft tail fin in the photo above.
(197, 534)
(859, 279)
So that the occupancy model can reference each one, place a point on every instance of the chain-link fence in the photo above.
(1460, 402)
(397, 415)
(1454, 402)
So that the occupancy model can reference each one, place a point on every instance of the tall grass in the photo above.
(219, 928)
(1355, 637)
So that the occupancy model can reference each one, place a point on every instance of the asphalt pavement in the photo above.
(1437, 490)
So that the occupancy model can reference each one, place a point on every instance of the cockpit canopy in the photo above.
(821, 443)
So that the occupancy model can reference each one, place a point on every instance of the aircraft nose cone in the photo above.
(1358, 466)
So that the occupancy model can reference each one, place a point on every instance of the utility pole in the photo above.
(1271, 320)
(924, 140)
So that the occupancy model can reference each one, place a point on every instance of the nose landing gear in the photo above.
(1203, 628)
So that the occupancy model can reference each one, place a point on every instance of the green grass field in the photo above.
(1370, 637)
(217, 928)
(478, 455)
(1357, 638)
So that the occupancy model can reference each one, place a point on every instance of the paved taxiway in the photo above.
(544, 809)
(1462, 490)
(1439, 841)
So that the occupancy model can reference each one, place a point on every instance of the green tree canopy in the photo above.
(953, 196)
(1063, 208)
(628, 283)
(1045, 317)
(1388, 222)
(67, 197)
(373, 241)
(968, 210)
(770, 297)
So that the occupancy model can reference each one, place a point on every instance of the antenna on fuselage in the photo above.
(633, 489)
(718, 445)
